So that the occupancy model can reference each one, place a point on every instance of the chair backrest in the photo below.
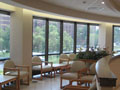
(62, 57)
(9, 64)
(36, 59)
(72, 56)
(92, 69)
(77, 65)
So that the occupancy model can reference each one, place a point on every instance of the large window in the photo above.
(116, 38)
(94, 35)
(39, 27)
(81, 44)
(4, 36)
(53, 37)
(68, 37)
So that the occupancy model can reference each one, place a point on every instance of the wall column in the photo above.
(21, 37)
(105, 36)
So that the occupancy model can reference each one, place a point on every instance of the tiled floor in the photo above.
(45, 84)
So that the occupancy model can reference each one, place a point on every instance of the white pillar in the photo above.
(105, 37)
(21, 37)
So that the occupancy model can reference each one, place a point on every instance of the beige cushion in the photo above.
(44, 68)
(22, 73)
(72, 56)
(69, 76)
(92, 69)
(77, 66)
(59, 65)
(36, 59)
(64, 56)
(87, 77)
(9, 64)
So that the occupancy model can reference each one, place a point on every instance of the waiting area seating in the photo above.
(22, 72)
(40, 67)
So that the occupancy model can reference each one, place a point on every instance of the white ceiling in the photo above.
(92, 6)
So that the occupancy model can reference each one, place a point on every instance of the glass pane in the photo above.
(53, 58)
(39, 36)
(54, 37)
(4, 36)
(81, 44)
(116, 44)
(68, 37)
(94, 35)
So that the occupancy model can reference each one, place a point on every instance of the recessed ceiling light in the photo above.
(102, 2)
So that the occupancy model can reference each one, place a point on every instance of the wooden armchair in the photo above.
(64, 59)
(72, 56)
(75, 72)
(14, 70)
(89, 76)
(40, 67)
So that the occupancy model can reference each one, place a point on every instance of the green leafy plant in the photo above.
(93, 55)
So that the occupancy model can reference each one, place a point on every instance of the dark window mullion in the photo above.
(75, 36)
(113, 38)
(88, 36)
(46, 40)
(61, 37)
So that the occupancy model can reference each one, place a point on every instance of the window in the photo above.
(116, 38)
(81, 43)
(94, 35)
(39, 27)
(4, 36)
(53, 58)
(54, 37)
(68, 37)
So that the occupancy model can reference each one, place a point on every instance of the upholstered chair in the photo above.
(72, 57)
(75, 72)
(64, 59)
(90, 74)
(21, 71)
(41, 67)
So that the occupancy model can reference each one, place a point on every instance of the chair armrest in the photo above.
(11, 69)
(23, 66)
(48, 63)
(36, 63)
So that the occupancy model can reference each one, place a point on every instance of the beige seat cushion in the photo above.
(92, 69)
(72, 56)
(87, 77)
(44, 68)
(77, 66)
(22, 73)
(69, 76)
(59, 65)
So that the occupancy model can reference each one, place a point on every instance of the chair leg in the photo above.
(41, 77)
(28, 80)
(60, 82)
(51, 74)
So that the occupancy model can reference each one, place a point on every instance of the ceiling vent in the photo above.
(94, 8)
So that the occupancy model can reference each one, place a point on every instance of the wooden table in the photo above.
(6, 79)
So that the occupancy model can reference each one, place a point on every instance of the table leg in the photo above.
(17, 84)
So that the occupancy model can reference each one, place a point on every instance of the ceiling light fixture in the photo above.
(102, 2)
